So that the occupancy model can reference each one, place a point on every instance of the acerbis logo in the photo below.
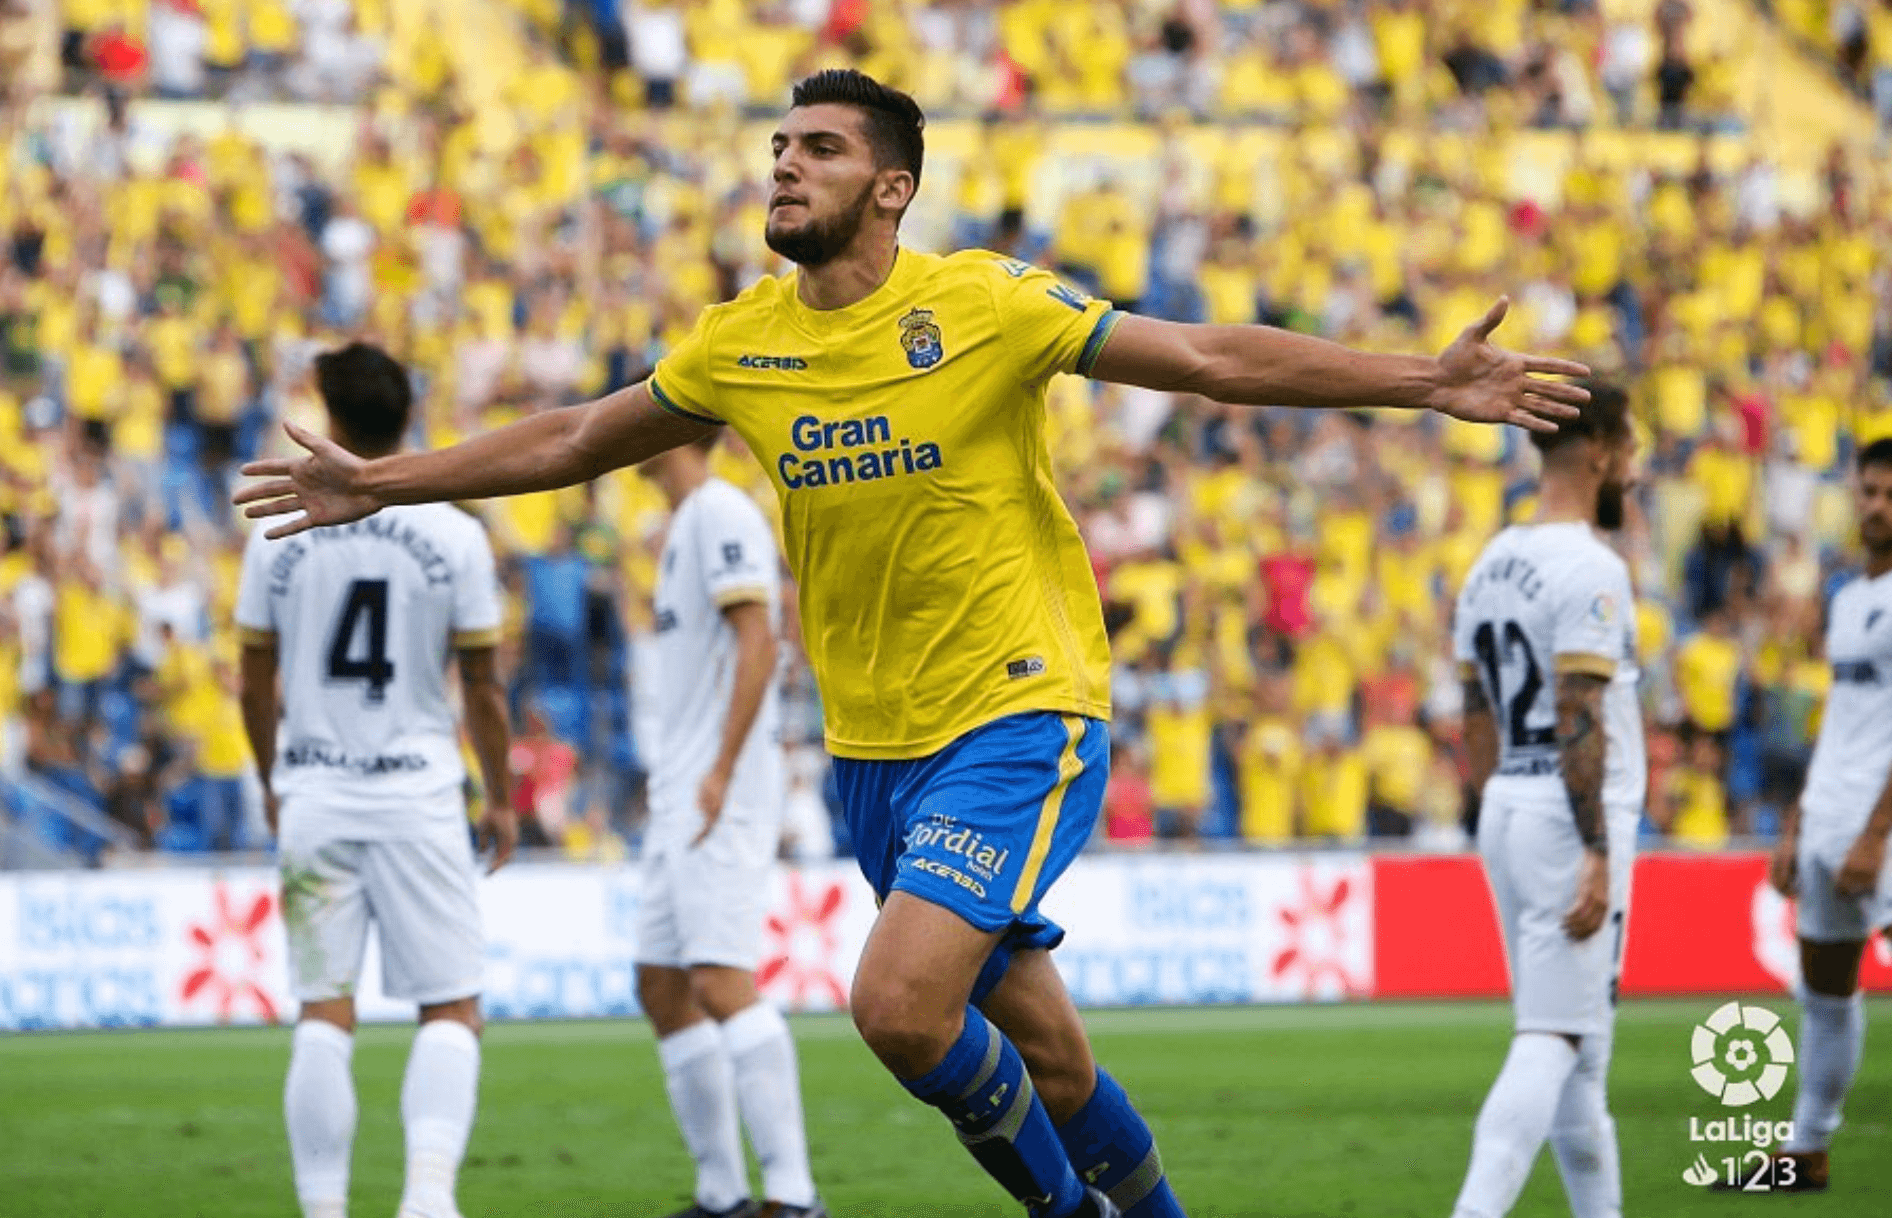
(786, 363)
(1742, 1055)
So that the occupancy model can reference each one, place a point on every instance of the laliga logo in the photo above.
(1741, 1054)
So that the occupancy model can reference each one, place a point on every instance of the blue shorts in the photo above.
(985, 826)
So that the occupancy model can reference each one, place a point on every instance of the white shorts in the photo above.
(705, 904)
(1532, 857)
(420, 891)
(1826, 916)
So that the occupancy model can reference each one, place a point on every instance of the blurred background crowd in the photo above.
(527, 200)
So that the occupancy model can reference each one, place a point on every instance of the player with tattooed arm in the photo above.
(1545, 638)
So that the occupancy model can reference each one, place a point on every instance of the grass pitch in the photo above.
(1298, 1112)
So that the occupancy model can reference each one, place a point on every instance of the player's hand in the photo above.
(1783, 867)
(1592, 903)
(272, 812)
(499, 828)
(1859, 874)
(709, 801)
(1485, 384)
(324, 486)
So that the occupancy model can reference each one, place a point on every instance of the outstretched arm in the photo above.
(543, 452)
(1263, 366)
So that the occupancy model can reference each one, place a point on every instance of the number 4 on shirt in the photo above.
(367, 598)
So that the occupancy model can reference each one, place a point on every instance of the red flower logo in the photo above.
(230, 953)
(803, 938)
(1317, 937)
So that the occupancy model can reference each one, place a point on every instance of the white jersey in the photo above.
(365, 616)
(720, 551)
(1853, 756)
(1544, 599)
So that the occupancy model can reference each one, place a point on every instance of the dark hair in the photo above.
(367, 393)
(1879, 452)
(1605, 418)
(893, 120)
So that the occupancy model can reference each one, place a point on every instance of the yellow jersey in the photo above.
(943, 582)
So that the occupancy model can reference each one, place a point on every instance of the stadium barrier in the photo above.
(196, 946)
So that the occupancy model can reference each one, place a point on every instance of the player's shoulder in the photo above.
(1580, 552)
(1499, 546)
(759, 300)
(726, 501)
(451, 528)
(1857, 585)
(982, 267)
(452, 519)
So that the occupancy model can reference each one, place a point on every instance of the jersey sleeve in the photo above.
(255, 608)
(681, 381)
(737, 553)
(1592, 620)
(1051, 326)
(476, 610)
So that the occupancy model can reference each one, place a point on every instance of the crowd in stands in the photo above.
(530, 202)
(1568, 63)
(1858, 35)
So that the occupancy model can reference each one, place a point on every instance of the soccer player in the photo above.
(1831, 852)
(1545, 639)
(897, 401)
(364, 791)
(717, 786)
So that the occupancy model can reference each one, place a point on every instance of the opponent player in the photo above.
(1831, 852)
(1545, 637)
(948, 608)
(365, 790)
(716, 791)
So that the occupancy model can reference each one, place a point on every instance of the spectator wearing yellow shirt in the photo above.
(1179, 727)
(1270, 768)
(86, 643)
(1725, 476)
(1334, 787)
(223, 396)
(1707, 670)
(220, 756)
(1398, 758)
(1696, 805)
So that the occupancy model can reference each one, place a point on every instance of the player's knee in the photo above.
(665, 996)
(908, 1037)
(460, 1010)
(722, 993)
(1831, 969)
(337, 1011)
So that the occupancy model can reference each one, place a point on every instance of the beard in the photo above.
(820, 241)
(1610, 506)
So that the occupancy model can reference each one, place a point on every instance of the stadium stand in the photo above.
(526, 200)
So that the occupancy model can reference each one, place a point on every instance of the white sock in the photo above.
(702, 1088)
(1583, 1136)
(1832, 1035)
(1514, 1122)
(768, 1086)
(318, 1104)
(438, 1097)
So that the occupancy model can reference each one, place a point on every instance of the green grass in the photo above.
(1286, 1112)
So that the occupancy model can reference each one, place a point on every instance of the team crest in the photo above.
(920, 337)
